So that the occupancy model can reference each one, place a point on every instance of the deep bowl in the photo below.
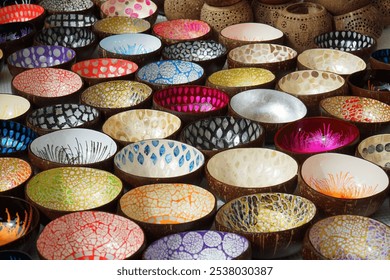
(31, 13)
(13, 107)
(380, 59)
(15, 36)
(14, 138)
(120, 25)
(14, 173)
(66, 7)
(70, 20)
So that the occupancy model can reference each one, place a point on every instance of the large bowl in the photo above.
(66, 7)
(31, 13)
(13, 107)
(380, 59)
(70, 20)
(14, 138)
(14, 173)
(15, 36)
(120, 25)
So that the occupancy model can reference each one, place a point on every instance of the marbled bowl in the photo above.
(14, 138)
(15, 36)
(380, 59)
(13, 107)
(120, 25)
(14, 173)
(67, 7)
(70, 20)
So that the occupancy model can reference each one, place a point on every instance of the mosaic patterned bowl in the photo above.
(31, 13)
(14, 173)
(63, 116)
(120, 25)
(15, 36)
(141, 124)
(199, 245)
(47, 86)
(14, 255)
(347, 237)
(73, 147)
(63, 190)
(91, 235)
(342, 184)
(40, 57)
(159, 161)
(162, 209)
(70, 20)
(380, 59)
(272, 222)
(13, 107)
(191, 102)
(66, 7)
(14, 138)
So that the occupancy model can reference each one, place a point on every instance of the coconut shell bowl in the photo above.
(274, 223)
(14, 173)
(70, 20)
(14, 138)
(159, 161)
(199, 245)
(341, 184)
(91, 235)
(14, 107)
(163, 209)
(15, 36)
(67, 7)
(380, 59)
(347, 237)
(30, 13)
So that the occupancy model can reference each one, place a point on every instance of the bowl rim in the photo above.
(378, 51)
(177, 22)
(105, 3)
(21, 99)
(222, 33)
(332, 36)
(363, 142)
(62, 11)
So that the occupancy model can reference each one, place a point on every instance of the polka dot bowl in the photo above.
(120, 25)
(14, 107)
(31, 13)
(14, 138)
(14, 173)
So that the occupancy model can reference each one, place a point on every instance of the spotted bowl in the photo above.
(14, 138)
(23, 12)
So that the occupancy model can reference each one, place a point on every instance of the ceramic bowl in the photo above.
(40, 57)
(14, 255)
(13, 107)
(47, 86)
(63, 116)
(191, 102)
(369, 115)
(63, 190)
(70, 20)
(141, 124)
(98, 70)
(138, 48)
(15, 36)
(14, 173)
(19, 224)
(271, 108)
(380, 59)
(14, 138)
(73, 147)
(90, 235)
(216, 134)
(314, 135)
(162, 209)
(31, 13)
(128, 95)
(347, 237)
(159, 161)
(120, 25)
(66, 7)
(235, 80)
(342, 184)
(164, 73)
(311, 86)
(245, 171)
(272, 222)
(199, 245)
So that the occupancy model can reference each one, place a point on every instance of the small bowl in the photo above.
(70, 20)
(141, 124)
(120, 25)
(246, 171)
(272, 222)
(14, 138)
(40, 57)
(162, 209)
(31, 13)
(64, 190)
(14, 173)
(309, 136)
(380, 59)
(105, 236)
(159, 161)
(67, 7)
(15, 36)
(47, 86)
(14, 107)
(14, 255)
(73, 147)
(191, 102)
(199, 245)
(98, 70)
(342, 184)
(63, 116)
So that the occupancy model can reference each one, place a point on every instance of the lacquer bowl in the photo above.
(15, 36)
(73, 147)
(14, 173)
(162, 209)
(31, 13)
(342, 184)
(14, 138)
(191, 102)
(63, 116)
(246, 171)
(70, 20)
(272, 222)
(347, 237)
(141, 124)
(63, 190)
(13, 107)
(120, 25)
(199, 245)
(47, 86)
(91, 235)
(380, 59)
(66, 7)
(14, 255)
(159, 161)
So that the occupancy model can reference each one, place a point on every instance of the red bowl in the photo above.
(23, 12)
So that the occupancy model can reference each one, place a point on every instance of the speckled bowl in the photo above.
(31, 13)
(14, 138)
(14, 173)
(13, 107)
(120, 25)
(15, 36)
(380, 59)
(66, 7)
(70, 20)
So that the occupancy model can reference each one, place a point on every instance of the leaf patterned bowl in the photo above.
(14, 138)
(13, 107)
(120, 25)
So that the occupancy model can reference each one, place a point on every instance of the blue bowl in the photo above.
(380, 59)
(14, 138)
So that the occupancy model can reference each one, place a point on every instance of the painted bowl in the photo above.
(246, 171)
(12, 2)
(14, 255)
(63, 190)
(47, 86)
(216, 134)
(191, 102)
(120, 25)
(141, 124)
(342, 184)
(347, 237)
(70, 20)
(13, 107)
(235, 80)
(199, 245)
(162, 209)
(380, 59)
(66, 7)
(312, 86)
(159, 161)
(14, 138)
(98, 70)
(15, 36)
(272, 222)
(14, 173)
(128, 95)
(271, 108)
(22, 12)
(314, 135)
(63, 116)
(90, 235)
(40, 57)
(73, 147)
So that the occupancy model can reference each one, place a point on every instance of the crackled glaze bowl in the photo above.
(14, 138)
(380, 59)
(13, 107)
(15, 36)
(66, 7)
(23, 12)
(14, 173)
(70, 20)
(91, 235)
(120, 25)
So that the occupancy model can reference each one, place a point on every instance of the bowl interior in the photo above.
(70, 37)
(70, 20)
(181, 29)
(241, 77)
(376, 149)
(20, 13)
(13, 173)
(131, 44)
(58, 6)
(347, 41)
(13, 106)
(194, 50)
(130, 8)
(371, 81)
(121, 25)
(12, 32)
(382, 55)
(250, 31)
(14, 137)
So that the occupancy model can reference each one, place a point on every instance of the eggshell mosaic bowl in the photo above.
(14, 173)
(70, 20)
(13, 107)
(61, 6)
(144, 9)
(14, 138)
(120, 25)
(23, 13)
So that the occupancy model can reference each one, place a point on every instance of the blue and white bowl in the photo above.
(14, 138)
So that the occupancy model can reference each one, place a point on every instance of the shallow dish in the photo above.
(13, 107)
(14, 173)
(120, 25)
(14, 138)
(144, 9)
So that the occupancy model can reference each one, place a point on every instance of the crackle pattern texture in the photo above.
(376, 149)
(13, 172)
(20, 13)
(130, 8)
(12, 106)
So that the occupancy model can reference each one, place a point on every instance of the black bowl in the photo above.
(14, 255)
(67, 6)
(15, 36)
(14, 138)
(70, 20)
